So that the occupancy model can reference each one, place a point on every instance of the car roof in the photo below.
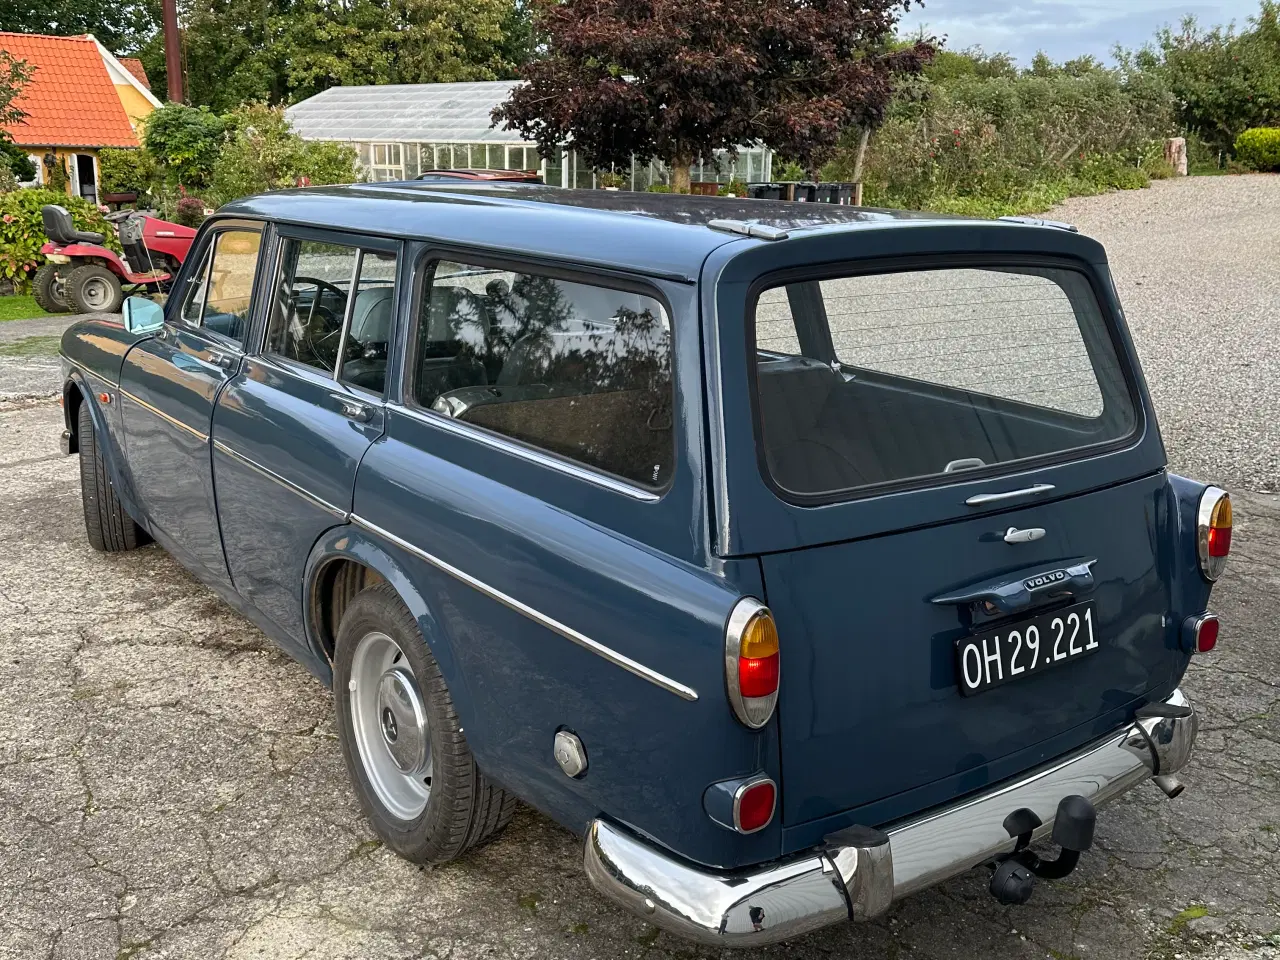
(655, 233)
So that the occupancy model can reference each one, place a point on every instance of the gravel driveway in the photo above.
(170, 785)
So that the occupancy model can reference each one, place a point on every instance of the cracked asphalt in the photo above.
(171, 786)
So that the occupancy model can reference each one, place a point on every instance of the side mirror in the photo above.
(142, 315)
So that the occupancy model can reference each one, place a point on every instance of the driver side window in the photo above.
(310, 302)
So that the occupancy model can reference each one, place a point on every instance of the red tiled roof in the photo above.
(134, 66)
(69, 100)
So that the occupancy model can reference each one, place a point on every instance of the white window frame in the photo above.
(391, 166)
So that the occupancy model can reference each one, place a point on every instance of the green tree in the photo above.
(1225, 81)
(122, 25)
(14, 75)
(184, 142)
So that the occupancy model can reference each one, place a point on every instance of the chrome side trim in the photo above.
(855, 874)
(1032, 491)
(581, 639)
(203, 437)
(527, 453)
(325, 505)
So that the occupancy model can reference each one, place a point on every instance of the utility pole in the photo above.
(172, 51)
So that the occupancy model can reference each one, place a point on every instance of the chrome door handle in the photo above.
(226, 361)
(1031, 491)
(354, 410)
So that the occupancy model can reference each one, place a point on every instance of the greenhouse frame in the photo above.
(400, 131)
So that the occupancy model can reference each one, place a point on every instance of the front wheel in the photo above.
(409, 761)
(49, 289)
(109, 527)
(94, 289)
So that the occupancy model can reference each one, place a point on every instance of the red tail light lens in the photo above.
(751, 662)
(1206, 633)
(753, 805)
(1214, 532)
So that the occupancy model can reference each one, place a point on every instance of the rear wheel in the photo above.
(49, 289)
(413, 771)
(110, 529)
(94, 289)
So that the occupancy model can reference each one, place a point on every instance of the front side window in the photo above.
(577, 369)
(334, 301)
(219, 295)
(869, 379)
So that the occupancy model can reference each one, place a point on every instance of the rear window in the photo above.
(576, 369)
(873, 379)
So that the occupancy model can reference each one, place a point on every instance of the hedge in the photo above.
(22, 230)
(1259, 148)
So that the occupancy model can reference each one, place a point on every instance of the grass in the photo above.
(20, 306)
(1193, 912)
(31, 347)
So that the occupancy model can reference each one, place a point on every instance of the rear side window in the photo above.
(880, 378)
(576, 369)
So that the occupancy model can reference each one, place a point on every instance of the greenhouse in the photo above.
(401, 131)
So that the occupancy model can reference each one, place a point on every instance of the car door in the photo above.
(292, 425)
(169, 384)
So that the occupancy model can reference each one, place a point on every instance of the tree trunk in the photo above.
(680, 179)
(861, 155)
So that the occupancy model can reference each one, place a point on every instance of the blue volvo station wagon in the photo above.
(795, 557)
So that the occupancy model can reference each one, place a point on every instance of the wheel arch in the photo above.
(344, 561)
(73, 396)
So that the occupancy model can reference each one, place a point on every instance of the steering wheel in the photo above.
(320, 347)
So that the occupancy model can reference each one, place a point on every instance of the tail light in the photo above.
(1213, 534)
(751, 662)
(1201, 633)
(753, 805)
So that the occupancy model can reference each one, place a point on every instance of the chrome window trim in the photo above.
(289, 485)
(582, 640)
(204, 437)
(514, 447)
(353, 288)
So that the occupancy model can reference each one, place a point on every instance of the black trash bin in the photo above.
(766, 191)
(804, 191)
(841, 193)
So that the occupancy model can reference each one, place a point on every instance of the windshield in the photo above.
(869, 379)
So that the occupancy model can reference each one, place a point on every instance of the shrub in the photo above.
(263, 153)
(1259, 148)
(659, 188)
(15, 159)
(127, 171)
(610, 178)
(190, 212)
(184, 141)
(22, 230)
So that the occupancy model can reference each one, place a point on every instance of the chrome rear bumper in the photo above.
(860, 871)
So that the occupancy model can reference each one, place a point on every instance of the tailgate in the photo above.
(870, 703)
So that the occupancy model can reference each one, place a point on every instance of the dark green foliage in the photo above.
(119, 25)
(126, 171)
(1259, 149)
(185, 142)
(22, 230)
(15, 158)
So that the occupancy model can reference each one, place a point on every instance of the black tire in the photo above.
(94, 289)
(463, 808)
(110, 529)
(48, 289)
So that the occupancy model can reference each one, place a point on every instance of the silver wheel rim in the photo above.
(390, 724)
(96, 292)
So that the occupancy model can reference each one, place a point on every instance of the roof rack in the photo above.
(757, 230)
(1040, 222)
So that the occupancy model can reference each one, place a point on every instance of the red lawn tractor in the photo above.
(82, 275)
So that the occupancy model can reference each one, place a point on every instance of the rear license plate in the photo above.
(1021, 649)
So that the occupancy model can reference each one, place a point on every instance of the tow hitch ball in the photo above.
(1016, 874)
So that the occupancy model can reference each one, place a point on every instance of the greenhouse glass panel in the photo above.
(497, 157)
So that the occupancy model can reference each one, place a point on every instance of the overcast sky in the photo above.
(1061, 28)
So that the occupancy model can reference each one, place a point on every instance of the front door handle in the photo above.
(226, 361)
(354, 409)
